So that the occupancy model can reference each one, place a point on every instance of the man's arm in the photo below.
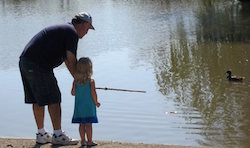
(70, 62)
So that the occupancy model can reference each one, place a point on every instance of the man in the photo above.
(46, 50)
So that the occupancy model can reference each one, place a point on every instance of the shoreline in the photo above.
(7, 142)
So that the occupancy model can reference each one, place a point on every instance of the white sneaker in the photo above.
(63, 139)
(43, 138)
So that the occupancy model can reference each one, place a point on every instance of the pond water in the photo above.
(178, 51)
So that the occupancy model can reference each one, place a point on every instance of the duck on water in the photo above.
(230, 77)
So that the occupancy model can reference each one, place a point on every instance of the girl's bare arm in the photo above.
(73, 89)
(93, 93)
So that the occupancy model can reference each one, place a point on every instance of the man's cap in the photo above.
(85, 16)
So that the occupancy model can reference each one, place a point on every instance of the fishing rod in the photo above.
(117, 89)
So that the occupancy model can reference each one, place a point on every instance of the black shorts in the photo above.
(40, 85)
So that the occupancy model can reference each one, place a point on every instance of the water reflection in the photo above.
(194, 70)
(224, 21)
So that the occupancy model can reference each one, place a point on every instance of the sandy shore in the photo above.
(31, 143)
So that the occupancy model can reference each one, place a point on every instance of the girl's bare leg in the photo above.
(82, 131)
(89, 131)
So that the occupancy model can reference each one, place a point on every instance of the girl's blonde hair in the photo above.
(83, 70)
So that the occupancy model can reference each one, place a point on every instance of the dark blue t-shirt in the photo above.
(48, 47)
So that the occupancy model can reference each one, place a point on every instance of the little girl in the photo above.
(85, 100)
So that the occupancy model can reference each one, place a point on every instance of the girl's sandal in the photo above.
(83, 143)
(91, 143)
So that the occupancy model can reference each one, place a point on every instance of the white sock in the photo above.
(58, 132)
(41, 131)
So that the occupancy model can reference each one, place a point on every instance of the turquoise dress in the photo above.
(85, 109)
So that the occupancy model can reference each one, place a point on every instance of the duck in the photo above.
(233, 78)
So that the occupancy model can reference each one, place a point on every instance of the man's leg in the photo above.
(59, 137)
(55, 115)
(39, 115)
(41, 137)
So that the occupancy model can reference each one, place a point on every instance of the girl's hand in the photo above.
(72, 92)
(98, 104)
(73, 89)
